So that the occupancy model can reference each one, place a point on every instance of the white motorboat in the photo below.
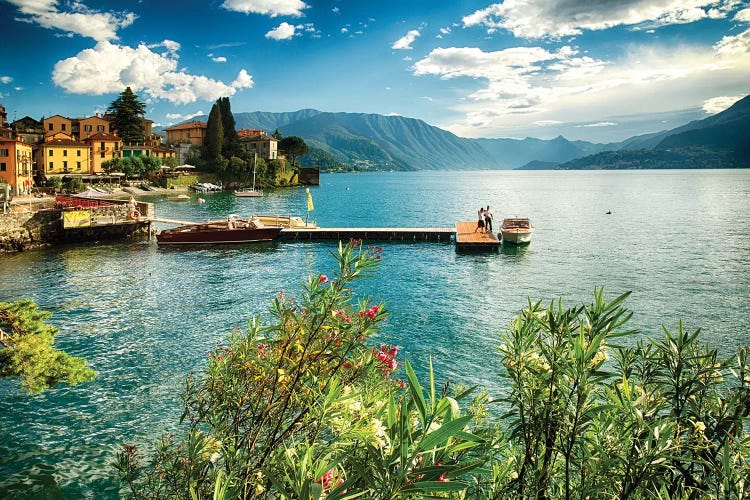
(516, 230)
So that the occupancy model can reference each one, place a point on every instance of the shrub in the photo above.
(305, 408)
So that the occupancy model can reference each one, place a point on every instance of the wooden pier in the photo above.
(369, 234)
(471, 239)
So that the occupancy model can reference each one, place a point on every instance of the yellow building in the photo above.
(104, 147)
(187, 133)
(58, 157)
(57, 123)
(163, 152)
(16, 165)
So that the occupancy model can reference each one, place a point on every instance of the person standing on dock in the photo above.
(480, 219)
(488, 219)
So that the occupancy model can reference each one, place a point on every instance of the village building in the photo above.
(193, 133)
(84, 128)
(29, 130)
(104, 147)
(16, 164)
(261, 143)
(56, 124)
(59, 156)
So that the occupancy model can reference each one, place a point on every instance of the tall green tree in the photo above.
(27, 349)
(128, 114)
(214, 132)
(293, 146)
(231, 142)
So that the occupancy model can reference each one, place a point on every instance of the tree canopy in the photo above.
(293, 146)
(128, 114)
(27, 349)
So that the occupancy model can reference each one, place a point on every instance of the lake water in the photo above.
(144, 317)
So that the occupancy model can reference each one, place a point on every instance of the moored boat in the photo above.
(286, 221)
(232, 230)
(248, 193)
(516, 230)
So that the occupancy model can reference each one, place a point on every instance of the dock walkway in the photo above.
(369, 233)
(470, 239)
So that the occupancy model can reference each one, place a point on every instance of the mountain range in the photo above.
(367, 142)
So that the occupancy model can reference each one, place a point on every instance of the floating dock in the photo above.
(369, 233)
(471, 239)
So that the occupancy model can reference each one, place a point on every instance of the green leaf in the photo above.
(435, 487)
(416, 391)
(445, 432)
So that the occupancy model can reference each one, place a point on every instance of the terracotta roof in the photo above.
(259, 137)
(188, 125)
(64, 142)
(102, 136)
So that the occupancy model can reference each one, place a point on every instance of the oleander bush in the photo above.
(306, 407)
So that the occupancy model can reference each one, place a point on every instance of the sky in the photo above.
(598, 70)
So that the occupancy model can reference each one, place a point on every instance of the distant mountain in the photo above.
(366, 142)
(377, 142)
(539, 165)
(719, 141)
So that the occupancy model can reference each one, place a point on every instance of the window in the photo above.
(78, 165)
(51, 152)
(2, 167)
(100, 128)
(49, 127)
(62, 126)
(65, 152)
(65, 165)
(102, 154)
(102, 146)
(79, 152)
(87, 128)
(4, 152)
(117, 146)
(51, 165)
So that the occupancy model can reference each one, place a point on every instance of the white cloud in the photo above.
(283, 31)
(6, 79)
(732, 45)
(219, 59)
(18, 88)
(392, 113)
(743, 16)
(270, 8)
(719, 104)
(598, 124)
(345, 30)
(335, 10)
(177, 117)
(547, 123)
(517, 86)
(109, 68)
(555, 18)
(404, 43)
(79, 20)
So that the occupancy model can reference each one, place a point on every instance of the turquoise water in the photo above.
(144, 317)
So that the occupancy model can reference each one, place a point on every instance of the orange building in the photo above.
(16, 164)
(104, 146)
(86, 127)
(163, 152)
(57, 123)
(187, 133)
(57, 157)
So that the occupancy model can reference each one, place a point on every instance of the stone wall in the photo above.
(28, 230)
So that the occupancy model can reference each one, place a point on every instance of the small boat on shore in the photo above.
(232, 230)
(285, 221)
(516, 230)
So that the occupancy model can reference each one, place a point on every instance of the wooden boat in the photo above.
(232, 230)
(286, 221)
(516, 230)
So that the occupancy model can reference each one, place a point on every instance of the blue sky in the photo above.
(598, 70)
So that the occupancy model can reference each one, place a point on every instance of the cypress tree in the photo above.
(231, 141)
(128, 114)
(214, 132)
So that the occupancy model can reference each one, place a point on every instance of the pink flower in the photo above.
(443, 478)
(323, 278)
(325, 479)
